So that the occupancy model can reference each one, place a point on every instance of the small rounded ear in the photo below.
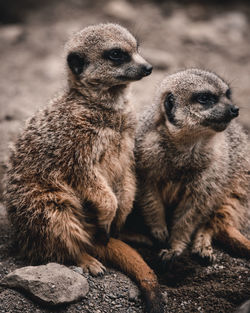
(169, 102)
(76, 63)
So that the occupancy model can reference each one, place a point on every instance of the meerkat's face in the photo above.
(197, 101)
(107, 55)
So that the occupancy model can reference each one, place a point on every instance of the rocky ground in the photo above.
(173, 36)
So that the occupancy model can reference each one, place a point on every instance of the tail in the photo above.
(126, 259)
(234, 240)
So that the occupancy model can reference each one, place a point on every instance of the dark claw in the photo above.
(205, 261)
(172, 260)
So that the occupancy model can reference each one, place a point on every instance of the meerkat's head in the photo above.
(104, 55)
(198, 101)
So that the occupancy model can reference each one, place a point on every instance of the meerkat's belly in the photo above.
(171, 193)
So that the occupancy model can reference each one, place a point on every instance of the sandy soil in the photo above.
(172, 37)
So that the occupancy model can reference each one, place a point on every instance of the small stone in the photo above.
(133, 294)
(165, 297)
(52, 284)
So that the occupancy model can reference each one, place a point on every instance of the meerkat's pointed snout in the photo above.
(234, 111)
(146, 69)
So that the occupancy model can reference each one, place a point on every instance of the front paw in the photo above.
(205, 254)
(160, 233)
(168, 256)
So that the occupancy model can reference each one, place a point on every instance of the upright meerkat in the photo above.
(71, 177)
(193, 166)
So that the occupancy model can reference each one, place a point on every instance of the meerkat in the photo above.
(71, 181)
(192, 163)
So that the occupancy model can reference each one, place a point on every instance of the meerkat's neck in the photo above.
(191, 148)
(98, 94)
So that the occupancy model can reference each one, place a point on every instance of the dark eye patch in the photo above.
(206, 98)
(228, 93)
(117, 56)
(169, 102)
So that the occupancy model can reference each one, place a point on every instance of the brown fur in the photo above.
(193, 166)
(71, 176)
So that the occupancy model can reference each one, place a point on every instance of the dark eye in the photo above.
(117, 56)
(205, 98)
(228, 94)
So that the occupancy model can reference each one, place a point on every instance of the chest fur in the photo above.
(117, 154)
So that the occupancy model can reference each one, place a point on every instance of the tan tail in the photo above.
(126, 259)
(234, 240)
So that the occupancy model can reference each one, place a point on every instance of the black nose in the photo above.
(146, 69)
(234, 111)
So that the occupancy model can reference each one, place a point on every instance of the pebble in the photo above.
(133, 294)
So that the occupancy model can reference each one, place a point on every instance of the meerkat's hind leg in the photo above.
(234, 241)
(68, 234)
(226, 231)
(91, 265)
(202, 245)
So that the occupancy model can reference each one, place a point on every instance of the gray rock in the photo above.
(51, 284)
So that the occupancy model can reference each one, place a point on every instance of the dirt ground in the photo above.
(173, 35)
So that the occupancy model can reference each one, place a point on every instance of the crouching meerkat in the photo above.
(193, 166)
(71, 178)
